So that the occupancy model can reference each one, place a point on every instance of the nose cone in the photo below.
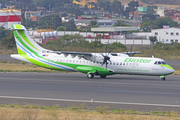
(170, 69)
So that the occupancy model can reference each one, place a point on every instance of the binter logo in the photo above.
(137, 60)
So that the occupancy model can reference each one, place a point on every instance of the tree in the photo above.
(153, 39)
(116, 7)
(8, 42)
(149, 17)
(70, 25)
(2, 32)
(50, 20)
(93, 22)
(147, 26)
(119, 23)
(60, 28)
(159, 23)
(132, 6)
(150, 10)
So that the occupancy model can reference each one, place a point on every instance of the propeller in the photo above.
(106, 58)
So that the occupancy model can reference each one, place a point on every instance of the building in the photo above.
(142, 9)
(167, 35)
(83, 24)
(29, 14)
(160, 11)
(8, 17)
(106, 23)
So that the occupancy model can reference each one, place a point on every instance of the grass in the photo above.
(34, 112)
(23, 67)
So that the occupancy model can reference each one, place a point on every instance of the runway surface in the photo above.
(144, 93)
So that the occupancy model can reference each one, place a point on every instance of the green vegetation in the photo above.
(149, 23)
(79, 44)
(81, 112)
(60, 28)
(153, 39)
(7, 40)
(121, 23)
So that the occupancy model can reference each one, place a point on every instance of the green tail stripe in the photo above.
(21, 32)
(18, 26)
(24, 55)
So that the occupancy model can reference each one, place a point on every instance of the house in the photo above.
(83, 24)
(29, 14)
(106, 23)
(160, 11)
(167, 35)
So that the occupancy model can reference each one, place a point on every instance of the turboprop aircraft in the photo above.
(100, 64)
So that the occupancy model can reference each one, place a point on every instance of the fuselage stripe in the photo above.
(42, 60)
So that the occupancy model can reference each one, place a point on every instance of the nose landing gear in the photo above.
(163, 78)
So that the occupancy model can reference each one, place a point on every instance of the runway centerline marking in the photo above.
(89, 101)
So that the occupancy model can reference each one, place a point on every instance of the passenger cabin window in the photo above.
(159, 62)
(155, 62)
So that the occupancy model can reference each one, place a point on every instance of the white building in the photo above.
(106, 23)
(167, 35)
(8, 17)
(160, 11)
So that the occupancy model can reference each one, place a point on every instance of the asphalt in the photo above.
(144, 93)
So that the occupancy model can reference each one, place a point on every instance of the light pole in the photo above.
(52, 21)
(38, 23)
(49, 9)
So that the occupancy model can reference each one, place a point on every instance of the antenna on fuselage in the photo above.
(152, 56)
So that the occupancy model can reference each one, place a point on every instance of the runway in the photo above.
(144, 93)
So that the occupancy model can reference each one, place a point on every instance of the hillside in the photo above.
(167, 2)
(162, 2)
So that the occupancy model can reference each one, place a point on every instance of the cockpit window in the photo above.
(160, 62)
(164, 63)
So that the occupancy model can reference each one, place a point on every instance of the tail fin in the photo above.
(24, 43)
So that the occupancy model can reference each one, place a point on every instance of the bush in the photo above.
(60, 28)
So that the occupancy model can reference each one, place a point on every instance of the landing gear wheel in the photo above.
(90, 75)
(102, 76)
(163, 79)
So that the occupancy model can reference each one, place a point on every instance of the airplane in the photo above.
(91, 64)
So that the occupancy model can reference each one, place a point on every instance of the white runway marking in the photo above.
(89, 101)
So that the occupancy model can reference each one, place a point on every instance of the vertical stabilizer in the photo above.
(24, 43)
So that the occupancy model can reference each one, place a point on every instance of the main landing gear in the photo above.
(91, 75)
(163, 78)
(102, 76)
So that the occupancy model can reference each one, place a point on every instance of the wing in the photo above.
(132, 53)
